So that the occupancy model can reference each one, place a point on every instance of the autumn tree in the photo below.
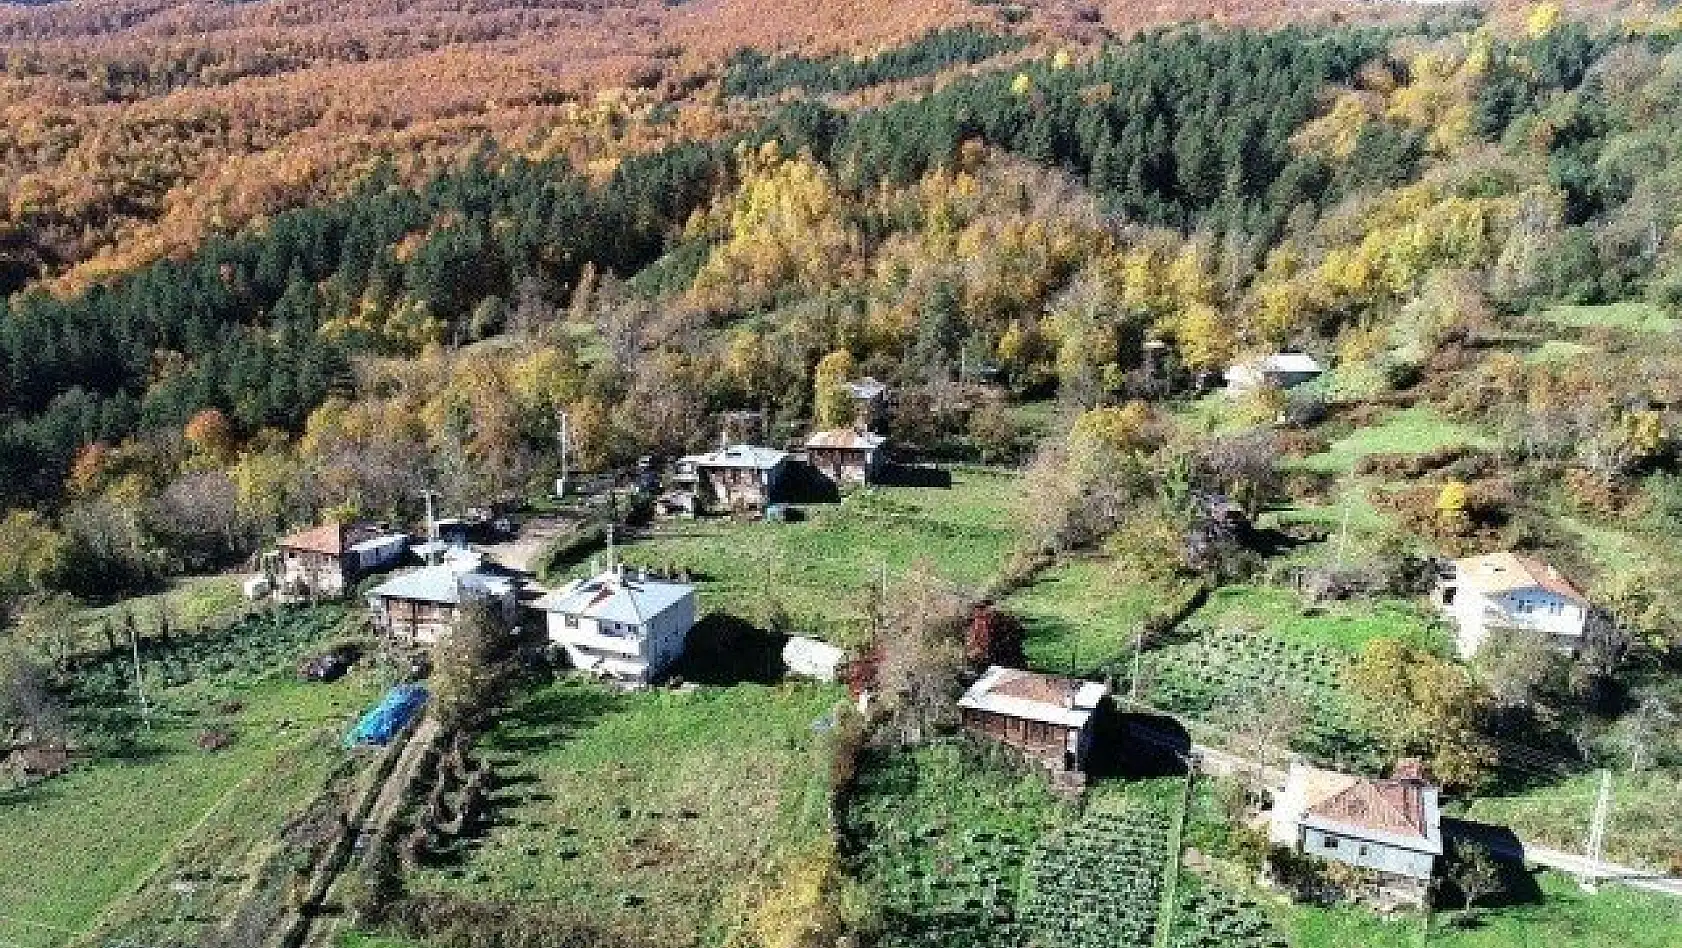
(832, 402)
(1419, 705)
(920, 641)
(470, 664)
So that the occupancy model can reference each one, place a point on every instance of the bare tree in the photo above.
(26, 705)
(922, 654)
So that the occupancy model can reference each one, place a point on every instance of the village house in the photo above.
(870, 402)
(420, 606)
(322, 561)
(1391, 827)
(1281, 370)
(625, 627)
(734, 478)
(1046, 717)
(847, 455)
(1508, 592)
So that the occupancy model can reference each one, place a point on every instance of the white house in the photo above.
(1279, 370)
(619, 625)
(1391, 827)
(1505, 591)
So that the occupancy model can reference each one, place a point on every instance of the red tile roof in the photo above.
(329, 538)
(1388, 806)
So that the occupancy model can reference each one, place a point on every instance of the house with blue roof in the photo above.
(624, 627)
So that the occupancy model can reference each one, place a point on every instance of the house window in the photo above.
(631, 631)
(1556, 608)
(571, 621)
(1329, 843)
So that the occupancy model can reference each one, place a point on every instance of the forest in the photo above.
(1051, 230)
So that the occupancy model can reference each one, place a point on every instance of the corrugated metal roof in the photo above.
(846, 439)
(1400, 813)
(738, 455)
(442, 584)
(616, 598)
(329, 538)
(1068, 702)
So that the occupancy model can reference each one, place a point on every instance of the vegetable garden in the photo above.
(1234, 670)
(1098, 884)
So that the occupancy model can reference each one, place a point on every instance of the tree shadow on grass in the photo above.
(1518, 885)
(549, 716)
(914, 475)
(723, 649)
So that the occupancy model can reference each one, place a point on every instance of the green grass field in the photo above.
(1080, 618)
(74, 850)
(1561, 916)
(820, 569)
(1644, 828)
(1409, 431)
(1631, 316)
(98, 847)
(661, 811)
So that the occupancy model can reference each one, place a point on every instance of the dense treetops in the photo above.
(1223, 189)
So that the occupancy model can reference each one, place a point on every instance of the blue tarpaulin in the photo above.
(387, 718)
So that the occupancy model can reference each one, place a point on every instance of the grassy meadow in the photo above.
(1080, 618)
(95, 849)
(820, 569)
(661, 810)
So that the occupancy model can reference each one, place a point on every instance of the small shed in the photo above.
(847, 455)
(1278, 370)
(1046, 717)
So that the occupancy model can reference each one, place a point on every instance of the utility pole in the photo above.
(1343, 532)
(561, 484)
(1138, 649)
(1597, 832)
(139, 682)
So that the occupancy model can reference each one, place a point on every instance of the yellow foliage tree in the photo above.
(832, 403)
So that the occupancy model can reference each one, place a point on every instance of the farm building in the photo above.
(738, 477)
(418, 607)
(619, 626)
(1046, 717)
(847, 455)
(322, 561)
(1279, 370)
(1392, 827)
(870, 402)
(1505, 591)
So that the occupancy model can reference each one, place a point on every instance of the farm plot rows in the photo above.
(1206, 917)
(1098, 884)
(1221, 676)
(942, 834)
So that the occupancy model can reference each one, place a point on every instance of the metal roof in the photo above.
(1068, 702)
(846, 439)
(1400, 813)
(616, 598)
(1508, 572)
(442, 584)
(739, 455)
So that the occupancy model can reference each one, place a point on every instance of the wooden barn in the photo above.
(1046, 717)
